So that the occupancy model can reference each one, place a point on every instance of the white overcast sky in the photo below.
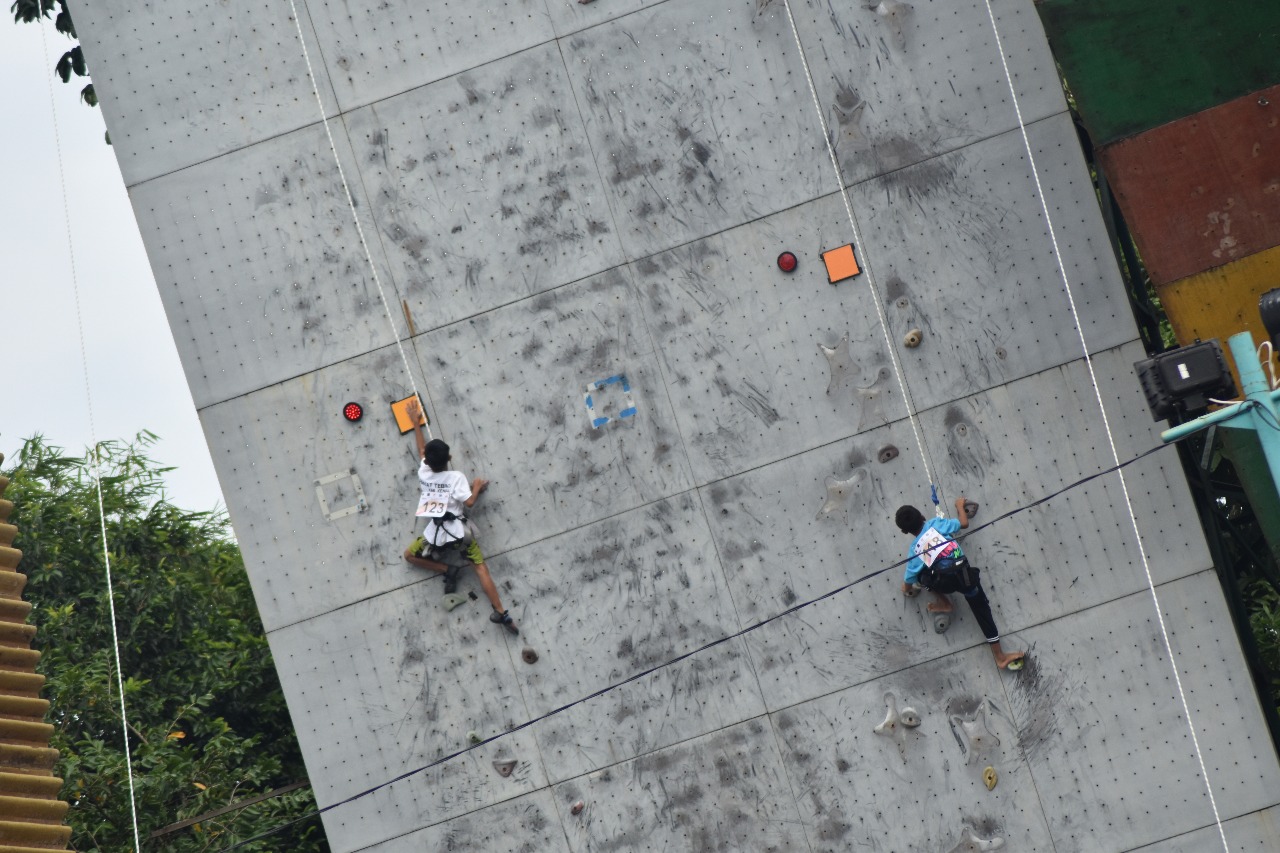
(134, 372)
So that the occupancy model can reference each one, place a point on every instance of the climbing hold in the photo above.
(839, 491)
(888, 453)
(577, 807)
(528, 655)
(839, 361)
(970, 508)
(941, 622)
(452, 600)
(913, 339)
(989, 777)
(787, 262)
(971, 843)
(892, 725)
(474, 736)
(910, 717)
(505, 767)
(974, 736)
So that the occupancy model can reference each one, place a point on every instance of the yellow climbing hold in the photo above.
(989, 776)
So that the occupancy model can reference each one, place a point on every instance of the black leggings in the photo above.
(953, 582)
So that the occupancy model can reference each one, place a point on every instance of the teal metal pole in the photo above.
(1261, 417)
(1258, 414)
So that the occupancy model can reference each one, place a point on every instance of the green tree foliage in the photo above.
(72, 61)
(207, 719)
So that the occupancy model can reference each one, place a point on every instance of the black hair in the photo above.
(436, 455)
(909, 520)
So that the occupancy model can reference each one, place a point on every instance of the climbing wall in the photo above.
(569, 216)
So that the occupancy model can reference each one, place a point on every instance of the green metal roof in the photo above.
(1136, 64)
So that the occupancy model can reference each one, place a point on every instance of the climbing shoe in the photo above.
(451, 579)
(504, 619)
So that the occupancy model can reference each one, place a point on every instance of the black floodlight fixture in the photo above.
(1269, 308)
(1183, 380)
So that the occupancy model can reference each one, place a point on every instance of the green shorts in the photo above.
(449, 554)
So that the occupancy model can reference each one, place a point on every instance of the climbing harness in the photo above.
(1106, 423)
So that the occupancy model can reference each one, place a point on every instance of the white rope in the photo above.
(346, 189)
(866, 261)
(1106, 423)
(93, 438)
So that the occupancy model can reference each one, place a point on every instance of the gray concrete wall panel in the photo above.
(901, 82)
(725, 792)
(612, 599)
(1255, 833)
(527, 366)
(1070, 738)
(1101, 725)
(484, 189)
(182, 82)
(526, 824)
(918, 788)
(379, 50)
(259, 265)
(960, 251)
(762, 364)
(272, 445)
(705, 693)
(570, 16)
(390, 684)
(1076, 551)
(696, 114)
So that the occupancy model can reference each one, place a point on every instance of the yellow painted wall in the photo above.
(1222, 301)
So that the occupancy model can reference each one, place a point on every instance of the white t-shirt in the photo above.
(442, 492)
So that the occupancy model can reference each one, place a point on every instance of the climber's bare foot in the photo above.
(1004, 659)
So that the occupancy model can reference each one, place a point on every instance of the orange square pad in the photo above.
(400, 409)
(841, 263)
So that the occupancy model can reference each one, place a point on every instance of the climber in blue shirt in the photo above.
(937, 563)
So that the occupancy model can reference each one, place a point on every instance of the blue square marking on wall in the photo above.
(594, 391)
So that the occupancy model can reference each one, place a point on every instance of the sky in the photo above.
(135, 378)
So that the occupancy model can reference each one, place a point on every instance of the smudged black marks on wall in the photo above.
(697, 270)
(265, 195)
(763, 6)
(967, 446)
(911, 173)
(1043, 704)
(896, 20)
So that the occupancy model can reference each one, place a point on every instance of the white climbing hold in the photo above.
(973, 733)
(505, 767)
(971, 843)
(892, 726)
(909, 717)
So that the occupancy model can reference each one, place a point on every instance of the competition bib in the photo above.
(435, 500)
(932, 545)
